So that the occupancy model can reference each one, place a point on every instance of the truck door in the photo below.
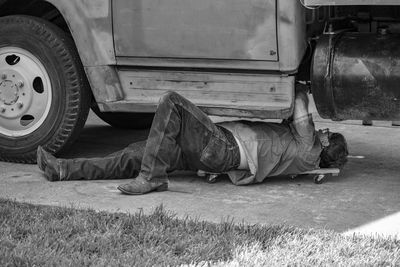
(200, 29)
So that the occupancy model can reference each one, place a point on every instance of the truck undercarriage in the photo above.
(355, 69)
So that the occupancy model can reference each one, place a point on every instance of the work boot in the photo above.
(49, 164)
(140, 186)
(40, 155)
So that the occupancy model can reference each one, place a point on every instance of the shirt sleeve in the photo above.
(304, 130)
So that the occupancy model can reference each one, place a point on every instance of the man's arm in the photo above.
(300, 106)
(302, 119)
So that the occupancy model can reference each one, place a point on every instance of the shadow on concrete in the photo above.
(367, 189)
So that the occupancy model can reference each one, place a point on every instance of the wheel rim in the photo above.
(25, 92)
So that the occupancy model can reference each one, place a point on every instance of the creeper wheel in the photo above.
(319, 179)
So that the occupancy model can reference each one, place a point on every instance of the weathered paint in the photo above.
(126, 106)
(218, 93)
(254, 50)
(240, 41)
(292, 39)
(224, 29)
(90, 23)
(105, 84)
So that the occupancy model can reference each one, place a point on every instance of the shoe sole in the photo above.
(161, 188)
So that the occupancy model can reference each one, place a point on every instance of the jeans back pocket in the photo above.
(215, 155)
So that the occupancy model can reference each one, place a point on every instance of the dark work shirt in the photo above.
(274, 149)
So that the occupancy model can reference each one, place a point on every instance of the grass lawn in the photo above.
(33, 235)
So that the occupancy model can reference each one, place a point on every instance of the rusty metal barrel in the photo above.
(357, 76)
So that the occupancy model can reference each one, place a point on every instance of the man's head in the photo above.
(334, 153)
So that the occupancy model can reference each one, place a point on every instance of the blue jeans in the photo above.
(182, 137)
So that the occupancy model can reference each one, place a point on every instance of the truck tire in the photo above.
(124, 120)
(44, 93)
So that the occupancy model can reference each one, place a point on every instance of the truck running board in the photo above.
(235, 95)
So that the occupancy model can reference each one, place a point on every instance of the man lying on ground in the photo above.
(182, 137)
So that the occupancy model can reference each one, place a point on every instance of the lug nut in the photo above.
(2, 109)
(20, 105)
(20, 84)
(3, 76)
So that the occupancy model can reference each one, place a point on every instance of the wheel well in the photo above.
(36, 8)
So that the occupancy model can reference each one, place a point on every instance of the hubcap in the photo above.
(25, 92)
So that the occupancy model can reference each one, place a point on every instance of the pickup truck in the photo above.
(61, 58)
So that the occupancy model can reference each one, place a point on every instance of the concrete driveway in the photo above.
(367, 192)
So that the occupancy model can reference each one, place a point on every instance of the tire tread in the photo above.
(78, 95)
